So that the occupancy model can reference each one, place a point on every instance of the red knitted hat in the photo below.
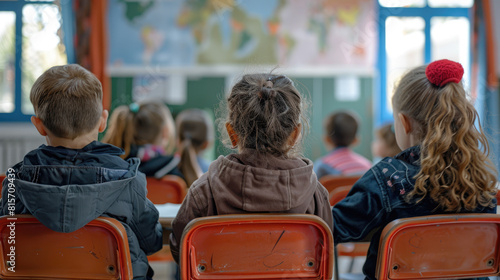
(441, 72)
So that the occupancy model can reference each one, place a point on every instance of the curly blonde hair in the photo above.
(456, 172)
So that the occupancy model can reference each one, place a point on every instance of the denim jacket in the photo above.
(379, 198)
(67, 188)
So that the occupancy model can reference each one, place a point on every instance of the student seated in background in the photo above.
(74, 178)
(195, 132)
(267, 175)
(444, 166)
(146, 131)
(384, 144)
(340, 134)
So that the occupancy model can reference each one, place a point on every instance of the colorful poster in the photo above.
(290, 33)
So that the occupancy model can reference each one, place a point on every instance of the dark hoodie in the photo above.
(252, 183)
(67, 188)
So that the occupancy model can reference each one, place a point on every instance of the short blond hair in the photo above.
(68, 100)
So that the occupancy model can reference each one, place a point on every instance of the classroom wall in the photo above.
(322, 93)
(189, 53)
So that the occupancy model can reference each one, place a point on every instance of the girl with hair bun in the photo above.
(444, 167)
(264, 122)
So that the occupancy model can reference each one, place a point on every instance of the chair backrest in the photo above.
(338, 194)
(330, 182)
(168, 189)
(29, 250)
(440, 247)
(257, 246)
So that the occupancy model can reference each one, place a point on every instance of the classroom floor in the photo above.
(166, 271)
(163, 271)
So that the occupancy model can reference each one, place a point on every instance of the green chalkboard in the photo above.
(207, 92)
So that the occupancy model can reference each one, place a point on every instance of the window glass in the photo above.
(450, 39)
(402, 3)
(405, 41)
(42, 46)
(451, 3)
(7, 60)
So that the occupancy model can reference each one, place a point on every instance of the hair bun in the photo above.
(441, 72)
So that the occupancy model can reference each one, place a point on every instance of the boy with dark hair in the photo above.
(74, 178)
(341, 129)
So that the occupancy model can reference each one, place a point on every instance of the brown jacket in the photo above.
(252, 183)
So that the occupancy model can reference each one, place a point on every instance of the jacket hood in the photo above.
(262, 183)
(64, 193)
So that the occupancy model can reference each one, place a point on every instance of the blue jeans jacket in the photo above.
(379, 198)
(67, 188)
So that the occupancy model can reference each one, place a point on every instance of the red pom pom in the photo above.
(441, 72)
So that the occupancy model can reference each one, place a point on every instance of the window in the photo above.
(31, 41)
(416, 32)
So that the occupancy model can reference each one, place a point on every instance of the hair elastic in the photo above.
(444, 71)
(134, 107)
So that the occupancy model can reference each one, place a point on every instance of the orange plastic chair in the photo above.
(257, 246)
(353, 250)
(330, 182)
(440, 247)
(99, 250)
(339, 193)
(168, 189)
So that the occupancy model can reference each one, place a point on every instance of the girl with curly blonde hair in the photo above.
(444, 166)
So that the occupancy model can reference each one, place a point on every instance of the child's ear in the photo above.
(232, 134)
(103, 120)
(38, 125)
(355, 141)
(294, 137)
(165, 132)
(204, 146)
(328, 142)
(406, 122)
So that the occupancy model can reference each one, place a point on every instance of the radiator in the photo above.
(12, 151)
(16, 141)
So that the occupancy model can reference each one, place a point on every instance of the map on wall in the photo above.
(290, 33)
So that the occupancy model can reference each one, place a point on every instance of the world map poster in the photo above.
(291, 33)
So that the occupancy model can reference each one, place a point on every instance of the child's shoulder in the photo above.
(95, 154)
(398, 173)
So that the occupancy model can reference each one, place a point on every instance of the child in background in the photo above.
(385, 144)
(444, 166)
(145, 131)
(74, 178)
(195, 133)
(341, 129)
(264, 123)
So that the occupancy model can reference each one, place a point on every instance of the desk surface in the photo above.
(168, 210)
(167, 213)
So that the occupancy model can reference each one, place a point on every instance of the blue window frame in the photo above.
(18, 97)
(427, 13)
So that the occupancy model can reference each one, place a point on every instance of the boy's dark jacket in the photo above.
(67, 188)
(379, 198)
